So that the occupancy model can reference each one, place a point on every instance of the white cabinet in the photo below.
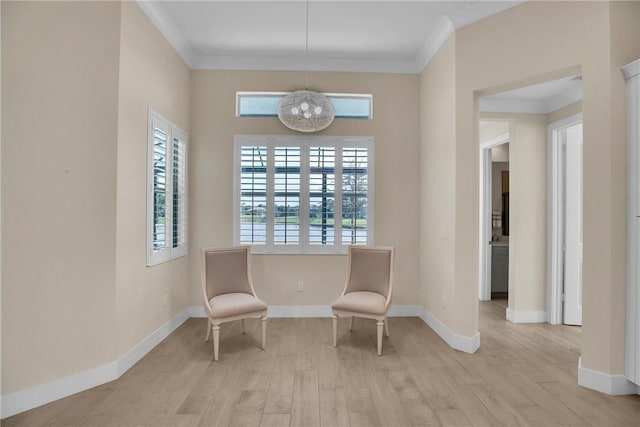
(632, 355)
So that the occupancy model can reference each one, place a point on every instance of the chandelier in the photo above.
(306, 110)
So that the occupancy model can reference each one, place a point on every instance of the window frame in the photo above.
(303, 142)
(173, 132)
(331, 96)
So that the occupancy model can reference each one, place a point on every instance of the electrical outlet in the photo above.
(165, 300)
(300, 286)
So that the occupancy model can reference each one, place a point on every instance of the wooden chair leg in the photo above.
(206, 339)
(216, 341)
(386, 326)
(244, 330)
(380, 326)
(263, 320)
(334, 320)
(351, 323)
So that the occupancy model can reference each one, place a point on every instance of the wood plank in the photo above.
(275, 420)
(306, 400)
(333, 408)
(522, 374)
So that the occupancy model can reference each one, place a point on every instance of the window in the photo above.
(265, 104)
(167, 191)
(303, 194)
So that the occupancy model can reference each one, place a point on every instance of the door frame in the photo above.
(556, 170)
(484, 261)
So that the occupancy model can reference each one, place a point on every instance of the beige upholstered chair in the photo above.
(367, 292)
(228, 291)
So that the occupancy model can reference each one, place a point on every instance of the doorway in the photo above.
(528, 111)
(564, 293)
(492, 220)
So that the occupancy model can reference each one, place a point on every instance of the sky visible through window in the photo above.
(258, 105)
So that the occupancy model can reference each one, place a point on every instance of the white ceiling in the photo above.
(377, 36)
(540, 98)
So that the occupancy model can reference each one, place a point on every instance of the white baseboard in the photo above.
(24, 400)
(522, 316)
(14, 403)
(275, 311)
(281, 311)
(458, 342)
(605, 383)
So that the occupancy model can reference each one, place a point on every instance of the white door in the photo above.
(573, 226)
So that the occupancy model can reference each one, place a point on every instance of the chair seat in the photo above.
(361, 302)
(235, 304)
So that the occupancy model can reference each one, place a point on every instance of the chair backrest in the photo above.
(226, 270)
(370, 269)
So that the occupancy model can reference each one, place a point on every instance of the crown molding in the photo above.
(227, 62)
(168, 29)
(439, 36)
(632, 69)
(212, 61)
(490, 104)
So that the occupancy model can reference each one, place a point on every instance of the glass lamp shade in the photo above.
(306, 111)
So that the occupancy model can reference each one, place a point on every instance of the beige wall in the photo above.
(151, 75)
(438, 183)
(395, 127)
(494, 55)
(59, 105)
(527, 208)
(528, 212)
(80, 78)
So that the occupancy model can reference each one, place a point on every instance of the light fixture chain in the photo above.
(306, 52)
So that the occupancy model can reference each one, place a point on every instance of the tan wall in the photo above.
(527, 208)
(494, 55)
(564, 112)
(0, 203)
(438, 183)
(395, 127)
(528, 212)
(151, 75)
(59, 106)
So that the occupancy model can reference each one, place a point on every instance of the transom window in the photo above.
(303, 194)
(265, 104)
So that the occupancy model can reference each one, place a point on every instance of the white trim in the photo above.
(455, 341)
(484, 254)
(281, 311)
(561, 100)
(173, 133)
(632, 320)
(526, 316)
(339, 143)
(168, 29)
(130, 358)
(605, 383)
(632, 69)
(480, 10)
(438, 37)
(555, 221)
(271, 63)
(492, 104)
(24, 400)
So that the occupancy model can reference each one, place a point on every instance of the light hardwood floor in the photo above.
(521, 375)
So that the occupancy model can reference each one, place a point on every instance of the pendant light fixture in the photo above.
(306, 110)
